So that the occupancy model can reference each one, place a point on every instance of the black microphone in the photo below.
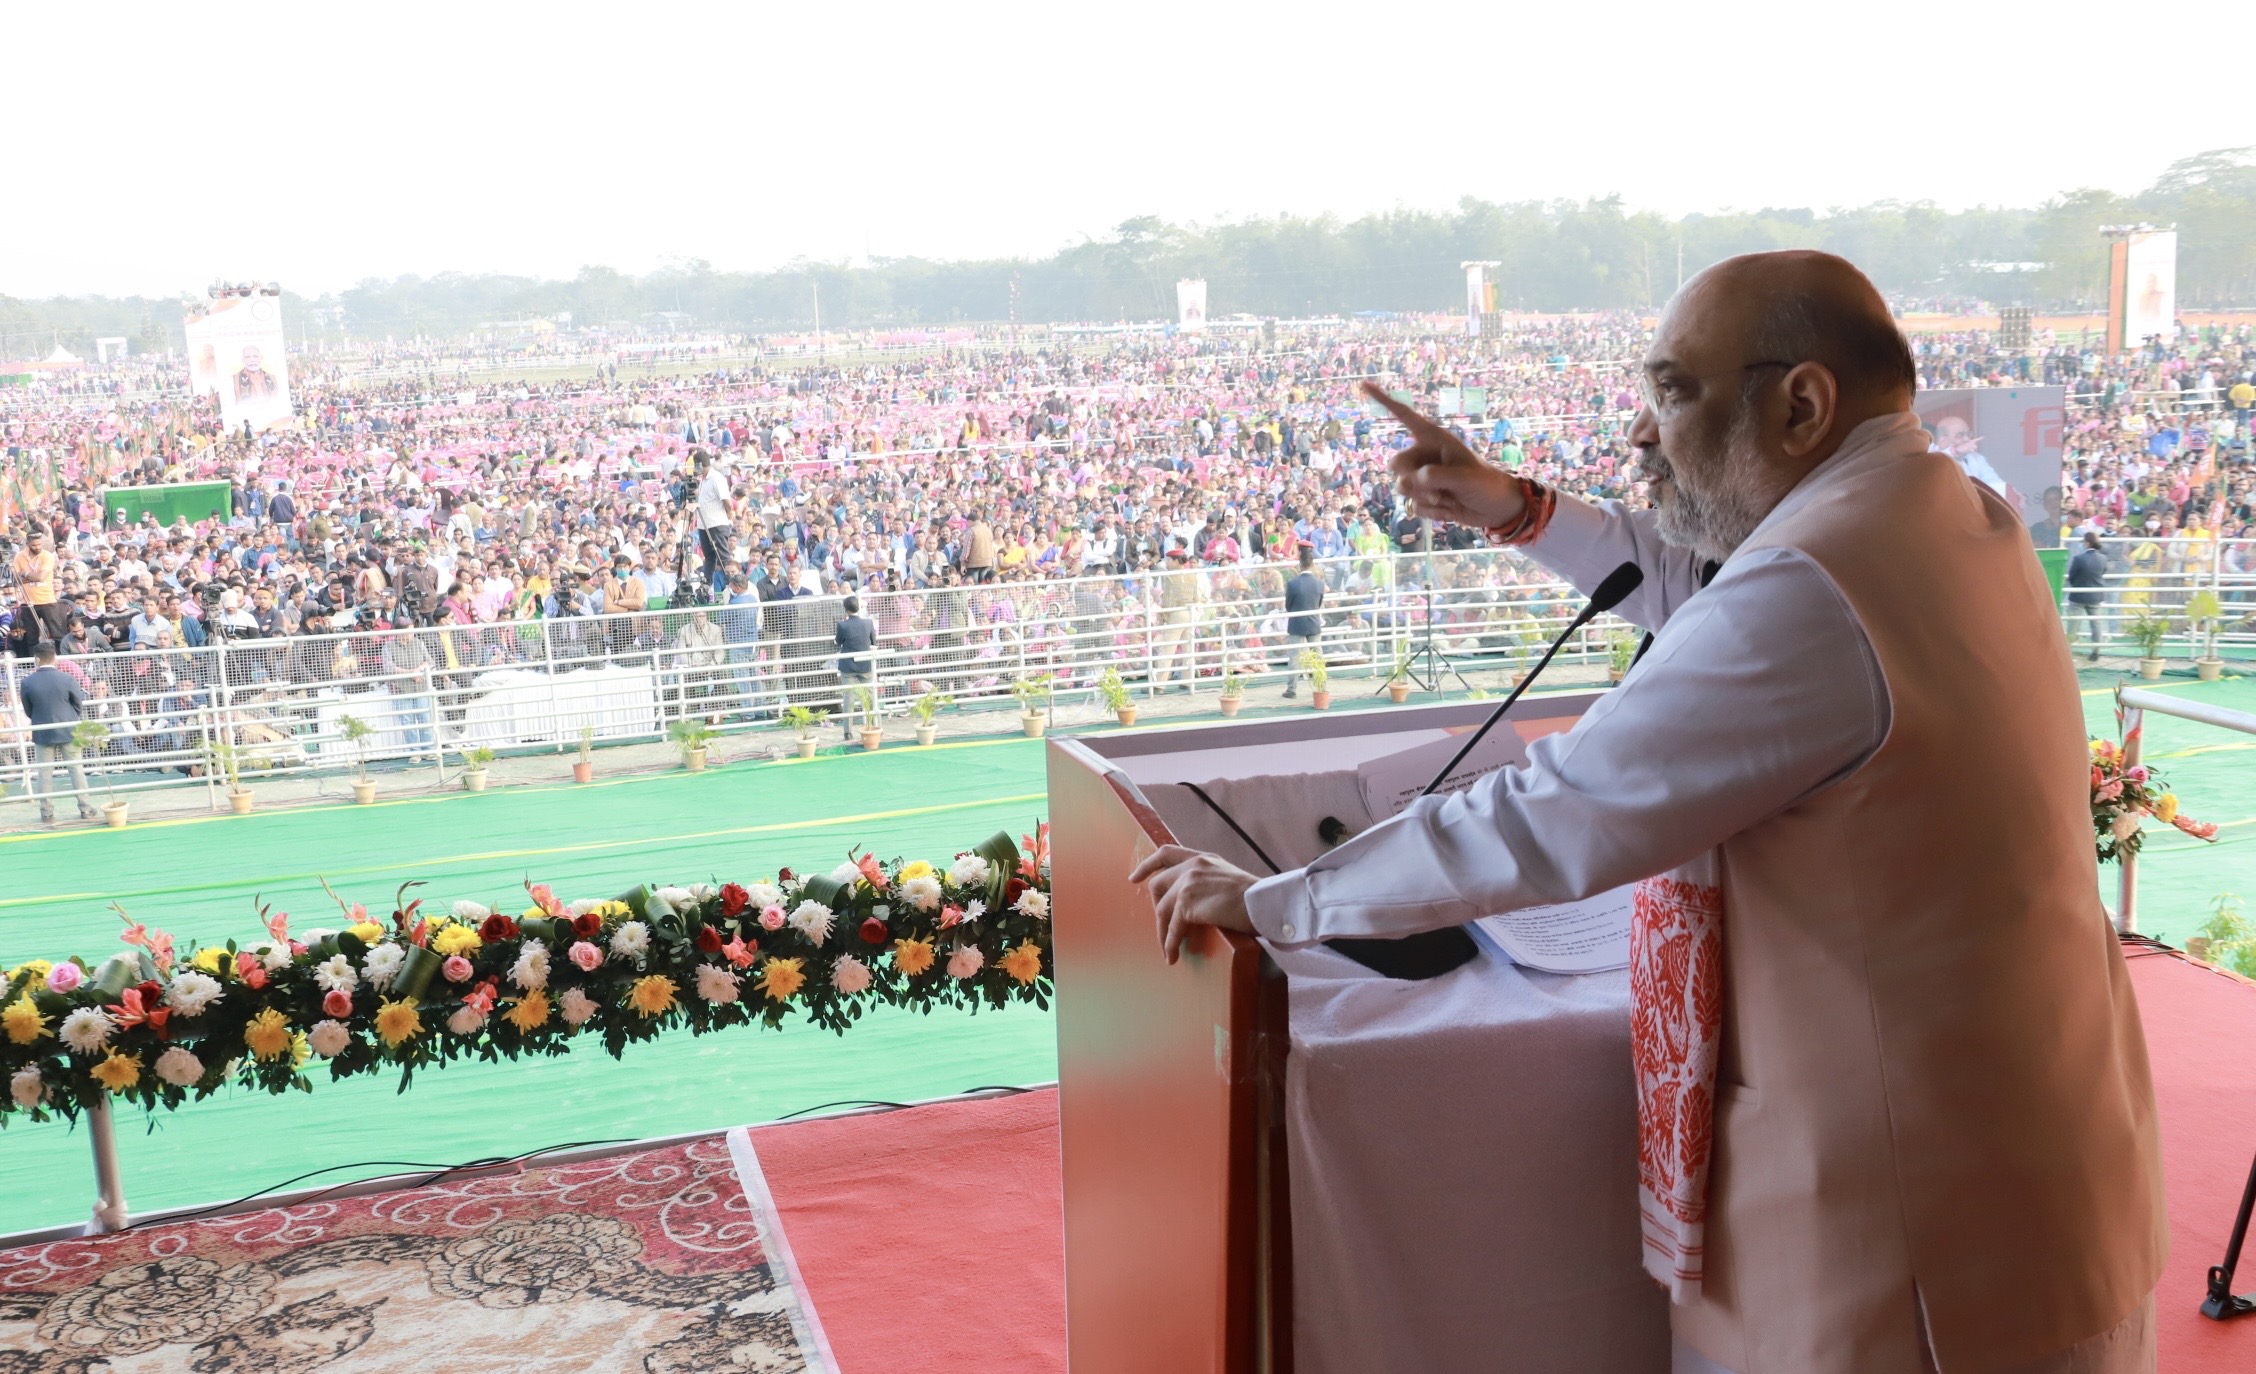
(1610, 593)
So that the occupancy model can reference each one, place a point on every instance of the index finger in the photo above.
(1164, 857)
(1408, 415)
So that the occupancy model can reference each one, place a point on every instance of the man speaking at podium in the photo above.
(1893, 1101)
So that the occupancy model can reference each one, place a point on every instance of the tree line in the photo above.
(1560, 255)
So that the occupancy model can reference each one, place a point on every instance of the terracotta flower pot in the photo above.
(1127, 715)
(474, 779)
(872, 738)
(583, 772)
(694, 760)
(114, 814)
(1230, 705)
(240, 802)
(1032, 725)
(1399, 691)
(364, 791)
(2150, 668)
(2208, 669)
(927, 733)
(807, 744)
(1322, 701)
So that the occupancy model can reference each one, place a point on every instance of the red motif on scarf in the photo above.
(1676, 1026)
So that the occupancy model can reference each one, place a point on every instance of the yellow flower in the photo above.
(368, 932)
(919, 869)
(210, 958)
(268, 1034)
(2166, 807)
(779, 978)
(23, 1021)
(117, 1072)
(528, 1013)
(453, 939)
(398, 1021)
(1024, 963)
(610, 910)
(300, 1051)
(912, 957)
(652, 994)
(37, 968)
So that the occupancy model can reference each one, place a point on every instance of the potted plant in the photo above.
(806, 720)
(2207, 615)
(1031, 693)
(356, 732)
(2147, 630)
(1621, 651)
(584, 770)
(1233, 691)
(924, 708)
(1115, 693)
(225, 759)
(90, 737)
(1398, 677)
(1319, 679)
(864, 700)
(474, 762)
(693, 737)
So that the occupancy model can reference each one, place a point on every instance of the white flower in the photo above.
(631, 941)
(87, 1029)
(764, 895)
(847, 874)
(27, 1088)
(966, 961)
(675, 897)
(1035, 903)
(316, 935)
(811, 919)
(335, 974)
(382, 964)
(850, 975)
(467, 1020)
(583, 906)
(922, 893)
(327, 1039)
(703, 892)
(191, 991)
(973, 910)
(274, 954)
(179, 1068)
(531, 969)
(717, 985)
(471, 913)
(575, 1006)
(969, 871)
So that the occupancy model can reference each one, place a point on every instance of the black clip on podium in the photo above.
(2223, 1304)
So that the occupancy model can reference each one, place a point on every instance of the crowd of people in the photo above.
(980, 471)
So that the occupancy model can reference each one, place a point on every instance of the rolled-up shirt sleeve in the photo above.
(1758, 691)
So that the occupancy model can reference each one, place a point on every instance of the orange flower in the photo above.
(871, 872)
(912, 957)
(779, 978)
(118, 1072)
(528, 1013)
(652, 995)
(1024, 963)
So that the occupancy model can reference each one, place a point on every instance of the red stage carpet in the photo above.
(931, 1238)
(2200, 1029)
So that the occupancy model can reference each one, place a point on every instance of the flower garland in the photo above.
(152, 1026)
(2122, 793)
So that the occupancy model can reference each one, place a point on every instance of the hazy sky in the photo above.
(153, 148)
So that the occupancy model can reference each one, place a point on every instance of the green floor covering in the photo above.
(198, 879)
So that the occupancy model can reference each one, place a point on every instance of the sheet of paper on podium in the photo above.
(1392, 781)
(1588, 936)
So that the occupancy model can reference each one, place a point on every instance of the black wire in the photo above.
(1231, 821)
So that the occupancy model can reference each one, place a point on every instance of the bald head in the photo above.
(1803, 306)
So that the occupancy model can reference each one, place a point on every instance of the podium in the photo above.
(1184, 1112)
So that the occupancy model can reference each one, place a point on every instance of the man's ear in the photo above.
(1813, 400)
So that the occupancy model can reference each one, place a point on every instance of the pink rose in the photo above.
(337, 1003)
(457, 969)
(771, 918)
(63, 977)
(586, 956)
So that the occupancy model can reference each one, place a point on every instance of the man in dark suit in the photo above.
(856, 636)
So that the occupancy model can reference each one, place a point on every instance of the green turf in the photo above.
(199, 880)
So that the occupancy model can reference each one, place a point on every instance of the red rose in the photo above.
(497, 927)
(1012, 891)
(874, 932)
(734, 899)
(783, 876)
(708, 939)
(587, 925)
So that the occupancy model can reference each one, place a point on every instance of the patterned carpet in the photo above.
(650, 1261)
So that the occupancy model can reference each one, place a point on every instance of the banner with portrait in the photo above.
(1190, 306)
(2009, 439)
(2142, 288)
(236, 352)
